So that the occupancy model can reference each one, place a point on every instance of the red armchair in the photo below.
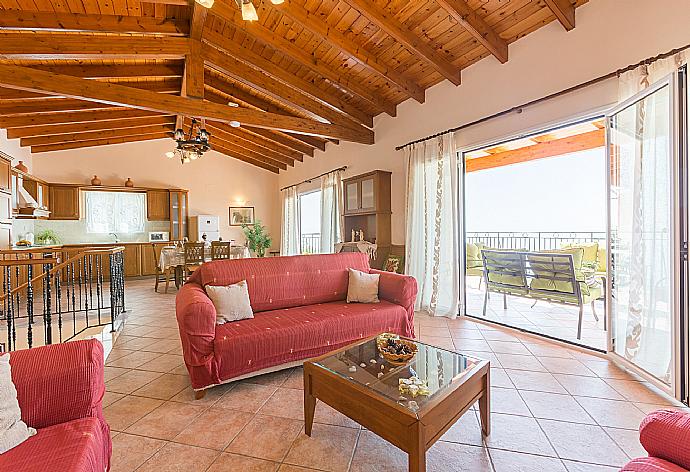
(665, 435)
(60, 389)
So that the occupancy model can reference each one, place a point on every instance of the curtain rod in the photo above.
(518, 108)
(316, 177)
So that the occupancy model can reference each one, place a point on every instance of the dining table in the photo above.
(172, 258)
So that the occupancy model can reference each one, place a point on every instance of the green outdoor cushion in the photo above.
(591, 251)
(473, 256)
(506, 279)
(548, 279)
(578, 254)
(601, 260)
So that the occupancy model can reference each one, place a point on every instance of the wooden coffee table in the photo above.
(350, 381)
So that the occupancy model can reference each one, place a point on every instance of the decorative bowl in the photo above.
(395, 350)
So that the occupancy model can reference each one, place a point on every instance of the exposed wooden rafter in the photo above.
(100, 134)
(24, 78)
(402, 34)
(564, 11)
(461, 12)
(97, 142)
(52, 130)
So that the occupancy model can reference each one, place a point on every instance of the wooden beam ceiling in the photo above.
(115, 71)
(38, 46)
(24, 78)
(73, 117)
(564, 11)
(402, 34)
(97, 142)
(28, 20)
(461, 12)
(51, 130)
(100, 134)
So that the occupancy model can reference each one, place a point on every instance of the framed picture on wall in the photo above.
(241, 216)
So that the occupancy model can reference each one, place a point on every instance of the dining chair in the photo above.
(161, 276)
(193, 257)
(220, 250)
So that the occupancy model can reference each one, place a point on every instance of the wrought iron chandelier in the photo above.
(192, 147)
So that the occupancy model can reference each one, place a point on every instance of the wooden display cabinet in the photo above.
(178, 214)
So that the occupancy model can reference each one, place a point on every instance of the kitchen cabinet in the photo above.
(132, 260)
(367, 193)
(5, 208)
(148, 263)
(158, 205)
(5, 174)
(178, 214)
(38, 191)
(64, 202)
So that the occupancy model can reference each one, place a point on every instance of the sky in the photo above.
(310, 212)
(559, 194)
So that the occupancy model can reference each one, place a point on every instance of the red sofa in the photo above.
(300, 312)
(665, 435)
(60, 389)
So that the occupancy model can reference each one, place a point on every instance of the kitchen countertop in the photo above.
(38, 247)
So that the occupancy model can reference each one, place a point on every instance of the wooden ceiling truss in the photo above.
(84, 73)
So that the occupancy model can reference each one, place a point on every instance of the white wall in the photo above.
(610, 34)
(11, 147)
(215, 182)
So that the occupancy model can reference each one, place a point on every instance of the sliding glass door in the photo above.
(644, 241)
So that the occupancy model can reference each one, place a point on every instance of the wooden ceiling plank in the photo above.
(33, 80)
(33, 20)
(87, 116)
(269, 144)
(316, 143)
(47, 105)
(342, 43)
(91, 135)
(51, 130)
(227, 144)
(282, 139)
(295, 53)
(564, 11)
(97, 142)
(166, 86)
(270, 68)
(236, 155)
(461, 12)
(242, 72)
(225, 133)
(39, 46)
(402, 34)
(97, 71)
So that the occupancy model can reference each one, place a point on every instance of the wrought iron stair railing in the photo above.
(45, 301)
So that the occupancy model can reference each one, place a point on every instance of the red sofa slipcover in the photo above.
(665, 435)
(299, 312)
(60, 389)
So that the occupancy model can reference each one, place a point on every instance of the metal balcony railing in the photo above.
(534, 241)
(45, 301)
(310, 243)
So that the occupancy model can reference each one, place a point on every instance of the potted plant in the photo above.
(258, 240)
(47, 237)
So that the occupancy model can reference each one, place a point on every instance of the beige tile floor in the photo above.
(554, 409)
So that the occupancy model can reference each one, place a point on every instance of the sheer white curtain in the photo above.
(115, 212)
(433, 252)
(331, 219)
(289, 234)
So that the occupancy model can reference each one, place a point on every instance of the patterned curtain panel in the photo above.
(115, 212)
(434, 216)
(331, 219)
(289, 234)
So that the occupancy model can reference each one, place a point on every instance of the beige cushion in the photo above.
(231, 302)
(362, 287)
(13, 431)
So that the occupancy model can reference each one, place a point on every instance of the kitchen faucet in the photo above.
(117, 239)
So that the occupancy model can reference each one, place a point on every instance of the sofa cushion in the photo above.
(13, 431)
(362, 287)
(79, 445)
(590, 252)
(285, 282)
(275, 337)
(231, 302)
(473, 256)
(651, 464)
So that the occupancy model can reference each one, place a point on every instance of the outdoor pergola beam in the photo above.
(97, 142)
(461, 12)
(39, 46)
(556, 147)
(564, 11)
(405, 36)
(318, 25)
(25, 78)
(52, 130)
(30, 20)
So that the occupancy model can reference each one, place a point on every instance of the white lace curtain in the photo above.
(289, 234)
(115, 212)
(331, 219)
(434, 215)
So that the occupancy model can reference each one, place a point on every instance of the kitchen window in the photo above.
(115, 212)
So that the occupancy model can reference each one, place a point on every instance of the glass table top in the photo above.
(431, 371)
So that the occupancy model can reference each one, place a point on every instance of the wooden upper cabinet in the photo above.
(367, 193)
(64, 202)
(178, 214)
(158, 205)
(5, 175)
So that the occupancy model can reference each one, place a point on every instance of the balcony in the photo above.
(310, 243)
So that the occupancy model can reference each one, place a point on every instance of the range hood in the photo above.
(28, 206)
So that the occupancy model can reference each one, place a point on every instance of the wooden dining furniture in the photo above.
(221, 250)
(193, 257)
